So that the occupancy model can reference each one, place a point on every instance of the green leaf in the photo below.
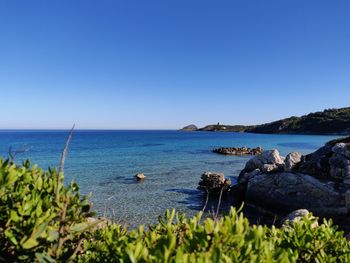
(29, 243)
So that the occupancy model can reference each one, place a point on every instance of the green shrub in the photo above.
(229, 239)
(36, 226)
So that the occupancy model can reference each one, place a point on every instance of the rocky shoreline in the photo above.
(318, 182)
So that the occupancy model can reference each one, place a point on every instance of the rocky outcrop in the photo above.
(214, 183)
(328, 163)
(289, 191)
(190, 127)
(317, 181)
(238, 151)
(139, 176)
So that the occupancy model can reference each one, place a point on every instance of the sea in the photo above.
(104, 162)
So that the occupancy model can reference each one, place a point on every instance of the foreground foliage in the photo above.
(36, 226)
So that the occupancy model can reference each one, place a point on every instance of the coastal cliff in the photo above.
(329, 121)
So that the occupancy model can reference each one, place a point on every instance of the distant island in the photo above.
(329, 121)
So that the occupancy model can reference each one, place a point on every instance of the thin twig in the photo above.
(77, 249)
(206, 200)
(219, 203)
(61, 230)
(63, 158)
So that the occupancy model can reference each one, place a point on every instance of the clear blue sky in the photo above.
(164, 64)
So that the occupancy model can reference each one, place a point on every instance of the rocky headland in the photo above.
(190, 127)
(329, 121)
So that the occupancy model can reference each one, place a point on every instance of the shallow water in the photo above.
(104, 163)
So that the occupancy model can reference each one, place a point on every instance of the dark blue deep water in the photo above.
(104, 163)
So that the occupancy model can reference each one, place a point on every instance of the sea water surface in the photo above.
(104, 163)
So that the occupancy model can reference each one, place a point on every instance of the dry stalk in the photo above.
(219, 203)
(61, 230)
(206, 200)
(63, 158)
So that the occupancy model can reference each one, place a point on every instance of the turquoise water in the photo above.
(104, 163)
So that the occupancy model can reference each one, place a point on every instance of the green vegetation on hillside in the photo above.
(331, 121)
(35, 225)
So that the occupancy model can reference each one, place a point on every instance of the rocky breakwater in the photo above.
(238, 151)
(319, 181)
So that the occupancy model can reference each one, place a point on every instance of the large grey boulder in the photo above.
(286, 191)
(342, 149)
(340, 162)
(328, 163)
(316, 164)
(271, 157)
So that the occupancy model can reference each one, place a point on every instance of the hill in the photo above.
(329, 121)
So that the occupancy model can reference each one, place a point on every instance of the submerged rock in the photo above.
(238, 150)
(214, 183)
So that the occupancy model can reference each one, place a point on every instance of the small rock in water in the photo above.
(140, 176)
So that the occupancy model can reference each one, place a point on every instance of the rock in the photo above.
(339, 167)
(339, 140)
(238, 151)
(342, 149)
(285, 191)
(291, 160)
(140, 176)
(296, 216)
(316, 164)
(319, 182)
(327, 163)
(268, 168)
(190, 127)
(266, 157)
(214, 183)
